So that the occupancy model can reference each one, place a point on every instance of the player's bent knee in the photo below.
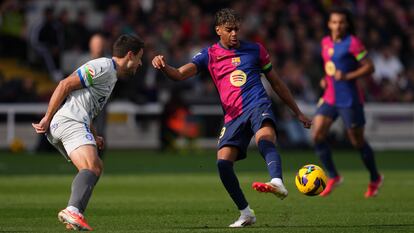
(99, 169)
(96, 167)
(318, 137)
(96, 171)
(269, 138)
(357, 144)
(224, 164)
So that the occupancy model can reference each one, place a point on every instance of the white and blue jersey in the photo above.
(98, 78)
(70, 126)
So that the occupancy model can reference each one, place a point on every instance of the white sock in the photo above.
(277, 182)
(247, 211)
(73, 209)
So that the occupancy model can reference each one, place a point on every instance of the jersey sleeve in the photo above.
(89, 73)
(357, 49)
(201, 60)
(264, 59)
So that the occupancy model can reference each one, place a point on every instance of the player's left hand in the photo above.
(307, 123)
(340, 76)
(100, 143)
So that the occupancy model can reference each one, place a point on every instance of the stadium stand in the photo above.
(291, 30)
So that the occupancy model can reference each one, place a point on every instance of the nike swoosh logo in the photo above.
(271, 163)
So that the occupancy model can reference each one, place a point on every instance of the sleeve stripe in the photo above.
(81, 78)
(269, 65)
(89, 76)
(361, 55)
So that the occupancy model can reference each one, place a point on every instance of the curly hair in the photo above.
(227, 16)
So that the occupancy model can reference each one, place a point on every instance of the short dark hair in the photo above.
(348, 17)
(227, 16)
(126, 43)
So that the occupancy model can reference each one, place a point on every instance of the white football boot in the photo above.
(244, 220)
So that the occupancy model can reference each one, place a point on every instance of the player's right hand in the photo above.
(158, 62)
(42, 126)
(306, 122)
(100, 142)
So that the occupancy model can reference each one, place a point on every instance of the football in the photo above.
(310, 180)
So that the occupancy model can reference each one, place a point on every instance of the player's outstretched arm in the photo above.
(283, 92)
(184, 72)
(63, 89)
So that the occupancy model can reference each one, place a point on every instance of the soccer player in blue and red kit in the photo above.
(345, 61)
(235, 67)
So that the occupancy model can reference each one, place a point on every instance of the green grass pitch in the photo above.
(144, 191)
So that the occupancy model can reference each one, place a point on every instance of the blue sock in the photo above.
(271, 156)
(324, 152)
(231, 183)
(367, 155)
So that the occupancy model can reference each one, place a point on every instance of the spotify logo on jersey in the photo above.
(238, 78)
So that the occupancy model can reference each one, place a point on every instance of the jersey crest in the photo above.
(235, 61)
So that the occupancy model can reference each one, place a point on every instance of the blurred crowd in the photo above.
(290, 30)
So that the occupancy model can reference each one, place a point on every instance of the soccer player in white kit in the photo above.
(69, 126)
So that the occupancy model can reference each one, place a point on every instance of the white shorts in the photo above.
(66, 135)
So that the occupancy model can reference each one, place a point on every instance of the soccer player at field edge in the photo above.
(345, 60)
(69, 127)
(235, 67)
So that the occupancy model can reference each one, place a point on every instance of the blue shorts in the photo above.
(238, 132)
(353, 117)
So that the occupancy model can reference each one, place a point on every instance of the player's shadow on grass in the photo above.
(307, 226)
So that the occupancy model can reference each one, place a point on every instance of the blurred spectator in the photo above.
(17, 90)
(297, 82)
(406, 85)
(98, 47)
(389, 91)
(79, 27)
(112, 20)
(2, 87)
(387, 65)
(48, 42)
(27, 91)
(64, 23)
(291, 30)
(408, 53)
(76, 33)
(13, 29)
(176, 122)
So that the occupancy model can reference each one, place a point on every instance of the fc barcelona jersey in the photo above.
(236, 74)
(344, 56)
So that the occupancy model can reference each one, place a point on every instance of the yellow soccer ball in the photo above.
(311, 180)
